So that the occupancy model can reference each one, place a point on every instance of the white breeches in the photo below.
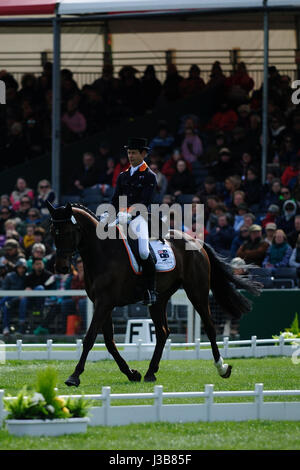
(139, 226)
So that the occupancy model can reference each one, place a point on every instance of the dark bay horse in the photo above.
(110, 281)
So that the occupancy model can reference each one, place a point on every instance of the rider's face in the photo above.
(135, 156)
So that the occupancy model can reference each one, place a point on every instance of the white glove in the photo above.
(103, 217)
(124, 218)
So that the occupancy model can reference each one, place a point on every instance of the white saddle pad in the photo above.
(165, 258)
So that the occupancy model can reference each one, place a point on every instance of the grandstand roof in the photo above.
(82, 7)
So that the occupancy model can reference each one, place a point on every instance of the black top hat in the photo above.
(137, 143)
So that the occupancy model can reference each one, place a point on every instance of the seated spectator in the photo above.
(182, 182)
(171, 85)
(76, 305)
(223, 120)
(238, 220)
(87, 175)
(239, 239)
(25, 206)
(150, 88)
(5, 214)
(14, 280)
(272, 196)
(287, 220)
(295, 232)
(163, 142)
(249, 219)
(291, 171)
(44, 193)
(279, 252)
(232, 185)
(221, 236)
(244, 164)
(239, 84)
(287, 150)
(28, 239)
(224, 167)
(38, 279)
(5, 202)
(253, 189)
(162, 182)
(277, 131)
(270, 229)
(211, 154)
(191, 148)
(253, 251)
(243, 112)
(169, 167)
(19, 192)
(122, 165)
(193, 84)
(107, 173)
(12, 253)
(271, 215)
(74, 122)
(130, 92)
(209, 189)
(294, 260)
(38, 250)
(285, 195)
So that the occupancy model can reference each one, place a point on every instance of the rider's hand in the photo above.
(104, 217)
(124, 218)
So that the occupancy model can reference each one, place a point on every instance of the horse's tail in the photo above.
(224, 285)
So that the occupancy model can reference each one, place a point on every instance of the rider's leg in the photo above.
(140, 228)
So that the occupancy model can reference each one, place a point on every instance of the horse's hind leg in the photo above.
(203, 308)
(159, 317)
(108, 333)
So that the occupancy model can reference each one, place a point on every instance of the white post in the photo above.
(281, 344)
(197, 348)
(106, 404)
(1, 407)
(197, 325)
(89, 312)
(139, 349)
(225, 346)
(78, 348)
(253, 345)
(168, 349)
(259, 399)
(158, 401)
(19, 348)
(209, 390)
(49, 348)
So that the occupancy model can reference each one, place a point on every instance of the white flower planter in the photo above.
(48, 427)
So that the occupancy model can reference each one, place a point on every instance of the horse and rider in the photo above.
(110, 280)
(138, 185)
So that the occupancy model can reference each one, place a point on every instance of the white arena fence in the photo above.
(140, 351)
(207, 409)
(179, 298)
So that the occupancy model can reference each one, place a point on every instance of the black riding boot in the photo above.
(148, 274)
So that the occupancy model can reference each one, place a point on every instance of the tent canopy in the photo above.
(82, 7)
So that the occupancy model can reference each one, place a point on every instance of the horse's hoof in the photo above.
(72, 381)
(135, 376)
(227, 373)
(150, 378)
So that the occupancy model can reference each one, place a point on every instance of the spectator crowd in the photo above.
(216, 163)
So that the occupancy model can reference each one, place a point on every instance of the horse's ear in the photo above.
(50, 207)
(69, 209)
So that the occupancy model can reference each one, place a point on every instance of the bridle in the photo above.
(67, 252)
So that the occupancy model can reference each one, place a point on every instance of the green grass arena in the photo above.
(278, 373)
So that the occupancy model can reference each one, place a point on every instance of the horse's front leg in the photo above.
(159, 317)
(98, 319)
(108, 334)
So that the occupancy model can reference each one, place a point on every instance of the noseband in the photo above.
(68, 252)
